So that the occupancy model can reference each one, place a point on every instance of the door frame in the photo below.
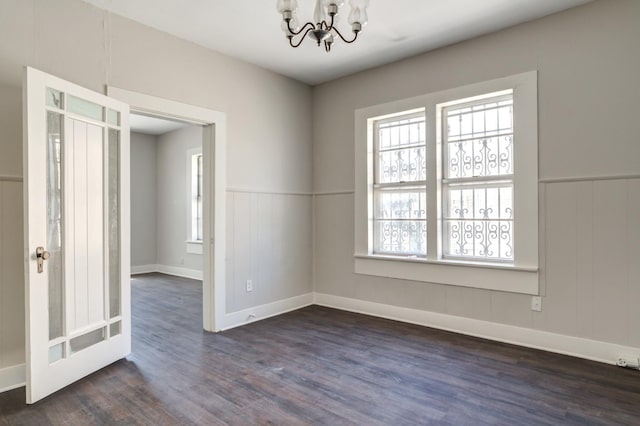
(214, 208)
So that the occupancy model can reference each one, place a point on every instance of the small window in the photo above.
(196, 196)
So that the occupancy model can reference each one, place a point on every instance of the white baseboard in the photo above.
(12, 377)
(143, 269)
(169, 270)
(552, 342)
(246, 316)
(180, 272)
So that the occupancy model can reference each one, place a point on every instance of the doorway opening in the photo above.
(167, 189)
(213, 126)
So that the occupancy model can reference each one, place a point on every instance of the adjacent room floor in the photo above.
(323, 366)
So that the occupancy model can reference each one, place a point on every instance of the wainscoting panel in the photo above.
(11, 274)
(590, 266)
(593, 281)
(269, 241)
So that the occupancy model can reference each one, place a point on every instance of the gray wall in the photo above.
(172, 209)
(588, 60)
(144, 240)
(88, 46)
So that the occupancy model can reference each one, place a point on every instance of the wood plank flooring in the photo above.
(323, 366)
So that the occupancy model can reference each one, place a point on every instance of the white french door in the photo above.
(76, 168)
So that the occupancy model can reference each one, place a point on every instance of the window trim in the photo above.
(519, 277)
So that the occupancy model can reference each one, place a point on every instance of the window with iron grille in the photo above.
(446, 186)
(477, 186)
(400, 212)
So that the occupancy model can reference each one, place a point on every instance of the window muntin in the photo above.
(399, 197)
(477, 186)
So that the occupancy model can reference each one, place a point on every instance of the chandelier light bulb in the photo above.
(358, 13)
(284, 5)
(294, 24)
(354, 15)
(338, 3)
(319, 13)
(285, 29)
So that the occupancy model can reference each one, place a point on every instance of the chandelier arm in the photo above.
(344, 39)
(329, 27)
(301, 38)
(295, 33)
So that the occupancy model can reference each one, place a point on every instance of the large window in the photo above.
(446, 187)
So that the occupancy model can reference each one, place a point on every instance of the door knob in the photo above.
(41, 256)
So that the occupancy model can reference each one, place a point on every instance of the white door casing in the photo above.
(214, 211)
(76, 195)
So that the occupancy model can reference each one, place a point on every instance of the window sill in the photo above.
(194, 247)
(500, 277)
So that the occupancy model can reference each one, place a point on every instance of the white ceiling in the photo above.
(152, 126)
(250, 29)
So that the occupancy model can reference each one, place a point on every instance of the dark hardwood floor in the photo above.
(323, 366)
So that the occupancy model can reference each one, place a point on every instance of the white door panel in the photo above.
(76, 168)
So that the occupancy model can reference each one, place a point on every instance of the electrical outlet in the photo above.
(249, 286)
(536, 303)
(628, 361)
(621, 362)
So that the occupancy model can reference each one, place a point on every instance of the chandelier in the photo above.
(325, 16)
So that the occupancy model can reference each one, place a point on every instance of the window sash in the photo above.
(400, 234)
(486, 154)
(486, 233)
(483, 230)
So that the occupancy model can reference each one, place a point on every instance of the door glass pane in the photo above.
(55, 98)
(54, 223)
(115, 329)
(88, 339)
(56, 352)
(85, 108)
(114, 222)
(114, 118)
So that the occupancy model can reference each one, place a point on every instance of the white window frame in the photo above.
(194, 245)
(521, 276)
